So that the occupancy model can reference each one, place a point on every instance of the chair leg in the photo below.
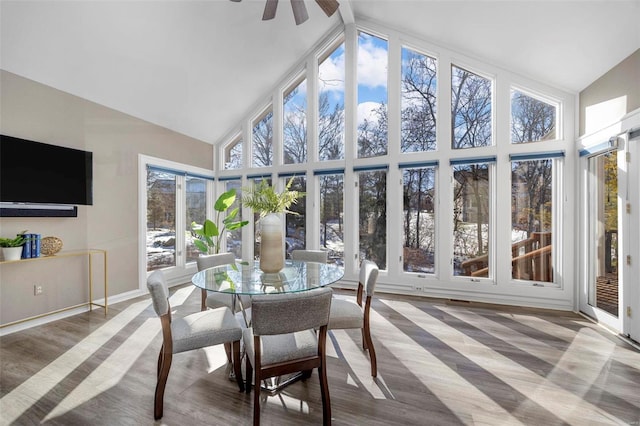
(256, 399)
(203, 299)
(227, 349)
(324, 386)
(237, 367)
(165, 361)
(248, 371)
(160, 360)
(372, 352)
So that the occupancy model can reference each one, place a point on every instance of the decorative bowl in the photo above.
(50, 246)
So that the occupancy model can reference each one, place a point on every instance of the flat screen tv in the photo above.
(40, 173)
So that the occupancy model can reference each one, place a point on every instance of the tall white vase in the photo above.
(271, 244)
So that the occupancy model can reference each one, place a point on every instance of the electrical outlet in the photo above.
(37, 289)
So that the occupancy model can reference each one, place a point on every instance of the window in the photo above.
(263, 140)
(531, 219)
(161, 219)
(175, 199)
(470, 109)
(471, 196)
(332, 216)
(532, 120)
(234, 238)
(419, 244)
(331, 105)
(372, 95)
(196, 210)
(295, 124)
(256, 222)
(233, 154)
(418, 113)
(295, 237)
(373, 216)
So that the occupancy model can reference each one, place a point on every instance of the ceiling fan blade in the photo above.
(299, 11)
(328, 6)
(270, 10)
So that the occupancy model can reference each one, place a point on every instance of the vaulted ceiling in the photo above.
(199, 67)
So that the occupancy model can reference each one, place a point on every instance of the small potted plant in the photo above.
(270, 204)
(210, 232)
(12, 247)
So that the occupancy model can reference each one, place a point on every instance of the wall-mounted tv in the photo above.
(40, 173)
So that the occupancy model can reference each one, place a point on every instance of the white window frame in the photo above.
(182, 271)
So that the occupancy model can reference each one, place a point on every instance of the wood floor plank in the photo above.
(439, 362)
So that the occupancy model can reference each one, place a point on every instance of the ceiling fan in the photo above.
(299, 9)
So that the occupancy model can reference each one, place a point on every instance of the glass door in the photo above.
(603, 239)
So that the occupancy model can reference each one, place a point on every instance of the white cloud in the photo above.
(331, 74)
(372, 64)
(366, 112)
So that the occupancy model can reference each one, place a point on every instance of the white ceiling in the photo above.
(199, 67)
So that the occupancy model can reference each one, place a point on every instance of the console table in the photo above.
(89, 253)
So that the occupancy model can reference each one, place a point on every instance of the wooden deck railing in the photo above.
(530, 260)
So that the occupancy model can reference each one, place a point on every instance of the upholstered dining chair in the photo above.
(283, 340)
(212, 299)
(319, 256)
(349, 314)
(194, 331)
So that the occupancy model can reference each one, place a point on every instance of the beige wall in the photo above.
(33, 111)
(612, 96)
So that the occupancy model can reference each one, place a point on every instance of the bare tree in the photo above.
(330, 129)
(295, 130)
(418, 102)
(263, 141)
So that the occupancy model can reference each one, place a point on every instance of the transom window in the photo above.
(263, 140)
(418, 113)
(470, 109)
(372, 96)
(294, 124)
(532, 120)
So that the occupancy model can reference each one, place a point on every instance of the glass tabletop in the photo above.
(248, 279)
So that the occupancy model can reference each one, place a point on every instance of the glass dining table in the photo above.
(246, 279)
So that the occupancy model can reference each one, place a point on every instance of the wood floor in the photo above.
(439, 363)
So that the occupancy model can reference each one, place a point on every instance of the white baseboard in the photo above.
(71, 312)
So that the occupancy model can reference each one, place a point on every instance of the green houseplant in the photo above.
(210, 232)
(270, 204)
(12, 247)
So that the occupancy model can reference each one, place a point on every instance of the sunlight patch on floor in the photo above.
(19, 400)
(112, 369)
(358, 362)
(437, 376)
(536, 388)
(286, 401)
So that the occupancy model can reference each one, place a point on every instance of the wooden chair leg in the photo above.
(324, 385)
(248, 371)
(162, 382)
(306, 374)
(237, 367)
(256, 398)
(372, 351)
(160, 360)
